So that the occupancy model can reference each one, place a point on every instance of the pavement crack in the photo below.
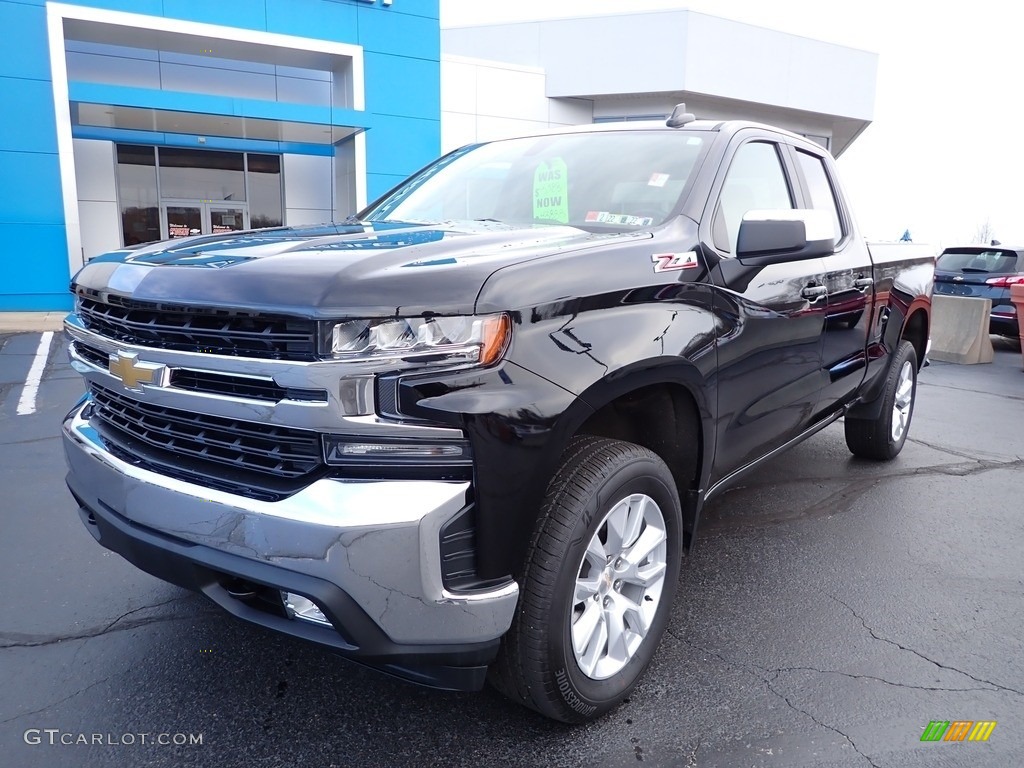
(57, 703)
(940, 665)
(764, 678)
(976, 467)
(882, 680)
(1002, 396)
(31, 440)
(818, 722)
(120, 624)
(125, 615)
(691, 759)
(852, 491)
(942, 449)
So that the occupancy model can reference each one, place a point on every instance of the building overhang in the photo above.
(727, 68)
(95, 105)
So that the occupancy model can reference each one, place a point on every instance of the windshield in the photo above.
(615, 180)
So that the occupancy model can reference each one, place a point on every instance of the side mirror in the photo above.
(774, 237)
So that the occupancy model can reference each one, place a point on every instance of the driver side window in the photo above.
(755, 181)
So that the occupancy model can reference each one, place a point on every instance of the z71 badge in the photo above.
(670, 262)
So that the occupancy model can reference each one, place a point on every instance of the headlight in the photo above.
(434, 341)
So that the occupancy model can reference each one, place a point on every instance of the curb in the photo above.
(29, 322)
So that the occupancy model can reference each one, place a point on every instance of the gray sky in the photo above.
(942, 156)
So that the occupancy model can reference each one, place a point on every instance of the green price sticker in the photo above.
(551, 192)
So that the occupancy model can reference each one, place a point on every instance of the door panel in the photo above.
(769, 362)
(769, 357)
(850, 286)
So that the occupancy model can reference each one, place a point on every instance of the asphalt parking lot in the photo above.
(832, 609)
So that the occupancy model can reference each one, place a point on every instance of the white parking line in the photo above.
(27, 402)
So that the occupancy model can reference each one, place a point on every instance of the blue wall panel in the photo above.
(147, 7)
(428, 8)
(402, 86)
(33, 243)
(19, 202)
(27, 259)
(27, 124)
(313, 18)
(233, 13)
(24, 52)
(379, 183)
(402, 145)
(381, 28)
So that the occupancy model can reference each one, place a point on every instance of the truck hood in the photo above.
(374, 269)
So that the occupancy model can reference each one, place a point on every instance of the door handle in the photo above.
(863, 283)
(814, 292)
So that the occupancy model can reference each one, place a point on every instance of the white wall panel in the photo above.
(457, 130)
(101, 227)
(458, 86)
(507, 100)
(308, 182)
(97, 196)
(345, 202)
(94, 169)
(296, 217)
(570, 111)
(508, 92)
(489, 128)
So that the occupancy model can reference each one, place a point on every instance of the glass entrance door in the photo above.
(185, 218)
(182, 220)
(226, 218)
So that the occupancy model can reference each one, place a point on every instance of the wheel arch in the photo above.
(664, 406)
(915, 330)
(513, 472)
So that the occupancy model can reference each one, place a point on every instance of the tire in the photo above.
(566, 596)
(882, 438)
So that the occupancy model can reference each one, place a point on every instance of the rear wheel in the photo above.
(882, 437)
(598, 583)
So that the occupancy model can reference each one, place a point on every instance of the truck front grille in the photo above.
(206, 445)
(213, 383)
(242, 386)
(199, 329)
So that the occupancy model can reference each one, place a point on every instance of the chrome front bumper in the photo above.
(377, 541)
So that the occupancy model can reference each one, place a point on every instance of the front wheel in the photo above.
(598, 583)
(882, 437)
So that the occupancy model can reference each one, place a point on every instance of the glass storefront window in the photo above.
(137, 192)
(197, 191)
(201, 174)
(265, 206)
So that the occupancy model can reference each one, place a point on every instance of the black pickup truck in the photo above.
(467, 434)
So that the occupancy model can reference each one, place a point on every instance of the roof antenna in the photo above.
(680, 117)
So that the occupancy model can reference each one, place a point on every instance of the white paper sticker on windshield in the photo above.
(658, 180)
(603, 217)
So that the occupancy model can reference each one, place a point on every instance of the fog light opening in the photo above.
(303, 609)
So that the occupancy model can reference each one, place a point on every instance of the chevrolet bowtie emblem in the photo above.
(133, 373)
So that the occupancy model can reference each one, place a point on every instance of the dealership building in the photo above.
(130, 121)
